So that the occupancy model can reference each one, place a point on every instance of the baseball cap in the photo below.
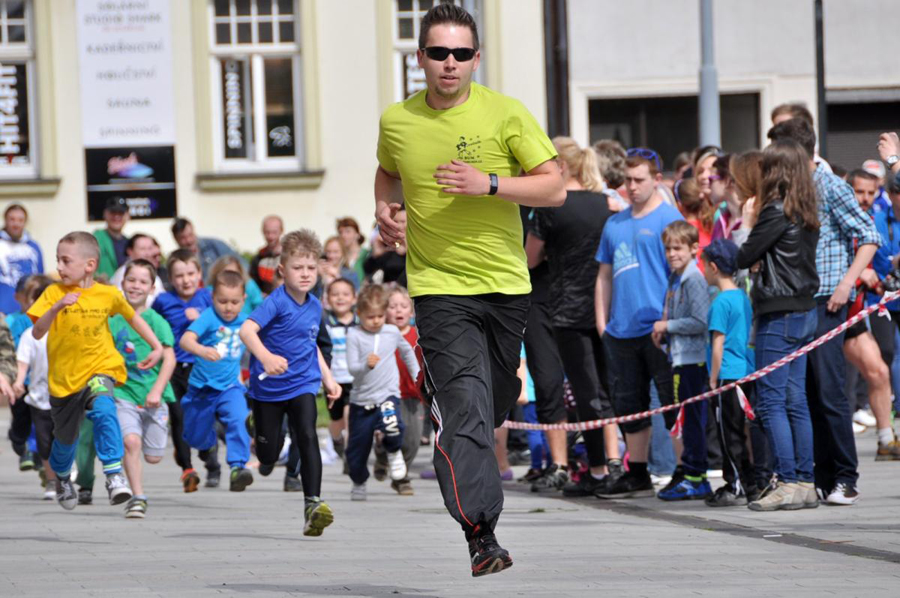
(116, 204)
(722, 253)
(875, 167)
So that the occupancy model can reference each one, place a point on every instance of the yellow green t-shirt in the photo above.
(460, 244)
(79, 344)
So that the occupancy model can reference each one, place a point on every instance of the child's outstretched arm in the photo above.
(333, 390)
(42, 324)
(143, 329)
(718, 350)
(19, 384)
(154, 397)
(272, 364)
(190, 343)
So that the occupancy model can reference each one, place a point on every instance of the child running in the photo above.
(31, 383)
(400, 314)
(687, 304)
(180, 308)
(287, 369)
(376, 388)
(84, 364)
(338, 320)
(142, 402)
(214, 387)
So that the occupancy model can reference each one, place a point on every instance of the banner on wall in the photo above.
(128, 105)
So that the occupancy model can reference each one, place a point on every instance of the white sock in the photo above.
(598, 477)
(885, 436)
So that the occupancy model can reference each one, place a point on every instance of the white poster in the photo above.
(125, 58)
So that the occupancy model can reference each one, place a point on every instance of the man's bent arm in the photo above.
(543, 187)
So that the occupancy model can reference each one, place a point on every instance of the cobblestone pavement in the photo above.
(219, 543)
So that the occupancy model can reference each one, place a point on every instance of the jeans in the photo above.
(690, 380)
(781, 395)
(364, 422)
(833, 442)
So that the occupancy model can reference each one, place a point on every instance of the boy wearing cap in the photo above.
(730, 358)
(111, 239)
(684, 324)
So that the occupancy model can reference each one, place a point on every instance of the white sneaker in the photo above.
(843, 494)
(49, 494)
(660, 480)
(397, 465)
(118, 488)
(358, 492)
(864, 417)
(858, 428)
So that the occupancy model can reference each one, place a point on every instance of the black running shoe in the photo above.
(266, 468)
(587, 485)
(531, 475)
(240, 479)
(292, 484)
(553, 480)
(629, 486)
(213, 478)
(487, 556)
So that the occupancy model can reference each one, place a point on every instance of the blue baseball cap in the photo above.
(722, 253)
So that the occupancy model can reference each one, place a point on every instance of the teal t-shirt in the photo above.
(730, 313)
(254, 297)
(135, 349)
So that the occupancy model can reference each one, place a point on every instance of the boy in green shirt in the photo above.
(141, 403)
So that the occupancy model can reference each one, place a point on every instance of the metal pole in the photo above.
(820, 80)
(556, 66)
(710, 132)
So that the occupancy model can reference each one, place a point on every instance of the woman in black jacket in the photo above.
(783, 241)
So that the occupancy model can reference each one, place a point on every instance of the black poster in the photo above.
(144, 176)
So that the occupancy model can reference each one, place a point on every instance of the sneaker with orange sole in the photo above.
(190, 480)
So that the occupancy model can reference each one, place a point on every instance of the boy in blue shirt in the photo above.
(687, 306)
(214, 387)
(287, 369)
(730, 320)
(179, 308)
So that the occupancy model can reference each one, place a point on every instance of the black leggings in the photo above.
(179, 382)
(301, 413)
(583, 358)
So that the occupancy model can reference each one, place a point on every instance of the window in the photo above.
(17, 134)
(854, 127)
(409, 78)
(670, 125)
(256, 82)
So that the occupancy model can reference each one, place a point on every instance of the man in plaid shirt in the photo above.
(841, 220)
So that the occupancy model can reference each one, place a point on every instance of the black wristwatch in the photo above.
(495, 183)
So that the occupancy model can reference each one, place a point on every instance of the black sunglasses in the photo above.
(440, 53)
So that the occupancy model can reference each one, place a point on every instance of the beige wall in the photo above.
(346, 96)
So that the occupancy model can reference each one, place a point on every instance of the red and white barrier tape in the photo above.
(599, 423)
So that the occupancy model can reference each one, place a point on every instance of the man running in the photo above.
(454, 152)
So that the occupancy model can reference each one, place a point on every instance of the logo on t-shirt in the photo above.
(469, 150)
(623, 260)
(228, 342)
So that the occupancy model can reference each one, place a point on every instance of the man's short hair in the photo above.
(797, 129)
(892, 185)
(185, 256)
(445, 13)
(228, 279)
(85, 242)
(15, 206)
(274, 217)
(300, 243)
(794, 110)
(680, 231)
(179, 225)
(635, 161)
(859, 173)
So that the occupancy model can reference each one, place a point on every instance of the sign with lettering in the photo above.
(125, 59)
(128, 105)
(14, 138)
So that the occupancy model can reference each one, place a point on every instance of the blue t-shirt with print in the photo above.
(640, 273)
(213, 331)
(730, 313)
(172, 307)
(288, 329)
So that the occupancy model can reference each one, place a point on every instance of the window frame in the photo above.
(25, 53)
(255, 54)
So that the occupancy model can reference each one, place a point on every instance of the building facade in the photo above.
(222, 111)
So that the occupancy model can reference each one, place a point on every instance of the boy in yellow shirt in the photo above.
(84, 363)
